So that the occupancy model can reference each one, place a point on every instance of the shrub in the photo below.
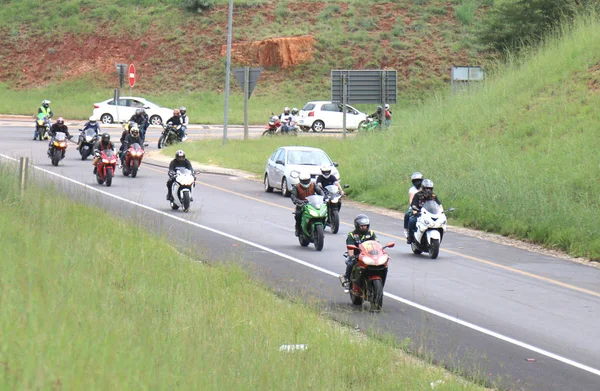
(197, 5)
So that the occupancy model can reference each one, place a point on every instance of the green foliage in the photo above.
(515, 24)
(197, 5)
(466, 11)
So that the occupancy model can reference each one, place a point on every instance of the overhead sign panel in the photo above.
(364, 86)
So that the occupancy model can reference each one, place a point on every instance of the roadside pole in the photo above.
(344, 107)
(23, 168)
(227, 70)
(246, 97)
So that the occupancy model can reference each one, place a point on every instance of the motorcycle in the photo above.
(133, 159)
(58, 148)
(369, 124)
(314, 217)
(87, 139)
(333, 198)
(105, 168)
(169, 136)
(273, 127)
(368, 275)
(42, 128)
(182, 189)
(431, 226)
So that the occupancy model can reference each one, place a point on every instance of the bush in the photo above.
(515, 24)
(197, 5)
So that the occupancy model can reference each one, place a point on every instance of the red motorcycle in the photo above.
(133, 159)
(105, 168)
(368, 275)
(273, 127)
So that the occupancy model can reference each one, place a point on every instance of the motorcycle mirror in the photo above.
(346, 186)
(146, 107)
(197, 172)
(451, 210)
(390, 245)
(351, 247)
(335, 164)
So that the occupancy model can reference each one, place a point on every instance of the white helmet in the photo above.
(326, 170)
(286, 110)
(46, 103)
(387, 106)
(92, 119)
(304, 179)
(295, 111)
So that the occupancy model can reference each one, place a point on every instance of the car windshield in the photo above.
(432, 207)
(308, 158)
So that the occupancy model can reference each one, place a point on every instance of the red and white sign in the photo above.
(131, 75)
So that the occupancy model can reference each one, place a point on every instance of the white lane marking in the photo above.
(303, 263)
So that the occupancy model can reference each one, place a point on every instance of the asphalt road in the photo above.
(497, 313)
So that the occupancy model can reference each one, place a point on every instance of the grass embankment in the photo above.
(90, 302)
(517, 156)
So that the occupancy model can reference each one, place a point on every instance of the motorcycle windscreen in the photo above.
(60, 136)
(89, 133)
(333, 189)
(108, 152)
(315, 200)
(372, 247)
(432, 207)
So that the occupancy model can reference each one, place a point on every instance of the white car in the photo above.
(286, 163)
(319, 115)
(108, 112)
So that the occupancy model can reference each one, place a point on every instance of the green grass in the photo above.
(517, 156)
(91, 302)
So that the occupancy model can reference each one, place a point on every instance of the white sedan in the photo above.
(319, 115)
(109, 112)
(286, 163)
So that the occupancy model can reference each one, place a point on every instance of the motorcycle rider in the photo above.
(416, 179)
(128, 128)
(175, 120)
(292, 123)
(145, 128)
(91, 124)
(361, 233)
(43, 111)
(57, 127)
(185, 121)
(179, 161)
(132, 138)
(140, 119)
(103, 144)
(326, 179)
(285, 118)
(419, 199)
(303, 189)
(388, 116)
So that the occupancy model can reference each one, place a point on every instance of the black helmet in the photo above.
(294, 111)
(362, 219)
(60, 121)
(138, 111)
(416, 179)
(379, 108)
(105, 138)
(428, 186)
(180, 156)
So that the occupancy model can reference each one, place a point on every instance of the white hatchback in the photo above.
(285, 164)
(319, 115)
(109, 112)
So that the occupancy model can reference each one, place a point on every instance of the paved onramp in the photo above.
(496, 312)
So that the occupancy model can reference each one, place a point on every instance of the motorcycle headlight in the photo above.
(88, 139)
(105, 161)
(427, 222)
(314, 213)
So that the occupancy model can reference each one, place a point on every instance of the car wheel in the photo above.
(268, 187)
(318, 126)
(106, 119)
(284, 188)
(155, 120)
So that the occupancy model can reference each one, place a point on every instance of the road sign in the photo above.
(131, 75)
(364, 86)
(253, 76)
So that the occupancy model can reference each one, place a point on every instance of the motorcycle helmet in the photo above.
(379, 108)
(138, 111)
(387, 106)
(273, 120)
(416, 179)
(176, 113)
(304, 179)
(286, 110)
(60, 121)
(294, 111)
(360, 221)
(182, 110)
(427, 186)
(92, 120)
(326, 170)
(135, 132)
(180, 156)
(105, 139)
(46, 103)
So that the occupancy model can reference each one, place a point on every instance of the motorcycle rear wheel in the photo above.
(99, 180)
(356, 300)
(414, 249)
(434, 248)
(303, 240)
(376, 298)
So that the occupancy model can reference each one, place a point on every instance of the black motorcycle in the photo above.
(169, 136)
(87, 140)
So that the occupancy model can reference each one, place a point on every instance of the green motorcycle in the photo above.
(369, 124)
(314, 216)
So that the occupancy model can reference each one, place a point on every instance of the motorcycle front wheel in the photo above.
(134, 169)
(109, 176)
(56, 155)
(161, 142)
(334, 221)
(434, 248)
(376, 298)
(186, 201)
(318, 237)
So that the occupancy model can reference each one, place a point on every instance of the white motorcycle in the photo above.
(431, 226)
(181, 189)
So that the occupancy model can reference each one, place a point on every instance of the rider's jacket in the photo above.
(299, 192)
(421, 198)
(355, 238)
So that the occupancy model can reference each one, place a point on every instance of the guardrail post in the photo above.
(23, 168)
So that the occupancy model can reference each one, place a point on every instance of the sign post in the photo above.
(247, 78)
(131, 78)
